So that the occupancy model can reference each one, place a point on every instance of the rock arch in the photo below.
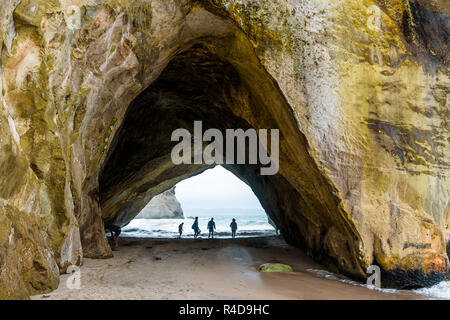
(363, 121)
(219, 80)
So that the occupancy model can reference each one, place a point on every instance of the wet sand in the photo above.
(209, 269)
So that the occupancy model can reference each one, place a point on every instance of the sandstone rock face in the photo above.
(90, 92)
(163, 206)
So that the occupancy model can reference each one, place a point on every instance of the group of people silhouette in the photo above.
(116, 230)
(211, 227)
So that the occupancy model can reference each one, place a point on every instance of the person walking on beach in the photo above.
(211, 227)
(196, 228)
(233, 226)
(180, 229)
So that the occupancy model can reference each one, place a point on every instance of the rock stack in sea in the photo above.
(162, 206)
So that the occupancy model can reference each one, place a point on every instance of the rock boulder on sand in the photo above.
(275, 267)
(163, 206)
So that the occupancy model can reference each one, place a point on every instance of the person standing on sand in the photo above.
(115, 231)
(233, 226)
(211, 227)
(196, 228)
(180, 229)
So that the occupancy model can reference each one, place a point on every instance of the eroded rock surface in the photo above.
(90, 91)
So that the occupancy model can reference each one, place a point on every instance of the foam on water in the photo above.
(341, 278)
(440, 290)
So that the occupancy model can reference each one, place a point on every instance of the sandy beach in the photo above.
(209, 269)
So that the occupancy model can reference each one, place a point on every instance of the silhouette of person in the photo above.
(233, 226)
(196, 228)
(211, 227)
(180, 229)
(115, 231)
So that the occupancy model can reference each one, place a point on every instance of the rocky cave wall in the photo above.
(362, 100)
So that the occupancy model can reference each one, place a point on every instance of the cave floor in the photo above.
(208, 269)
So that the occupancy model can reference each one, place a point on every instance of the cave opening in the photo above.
(215, 193)
(196, 85)
(222, 83)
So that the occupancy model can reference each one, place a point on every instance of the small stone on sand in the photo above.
(275, 267)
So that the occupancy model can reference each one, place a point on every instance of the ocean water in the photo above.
(438, 291)
(341, 278)
(251, 223)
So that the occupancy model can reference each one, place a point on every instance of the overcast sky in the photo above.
(216, 188)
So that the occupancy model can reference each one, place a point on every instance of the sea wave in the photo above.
(341, 278)
(157, 233)
(248, 226)
(440, 290)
